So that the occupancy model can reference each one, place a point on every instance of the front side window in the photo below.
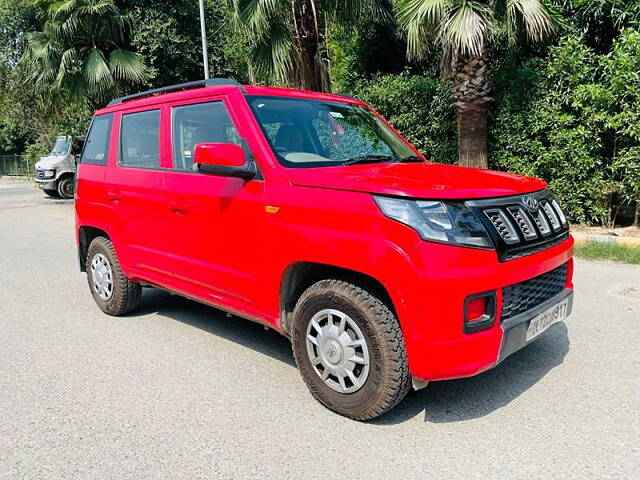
(312, 133)
(96, 149)
(140, 140)
(199, 123)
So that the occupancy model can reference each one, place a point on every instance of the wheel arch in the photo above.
(86, 234)
(301, 275)
(65, 175)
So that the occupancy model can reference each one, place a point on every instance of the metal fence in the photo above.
(17, 165)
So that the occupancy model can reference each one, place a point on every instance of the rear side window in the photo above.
(140, 140)
(200, 123)
(96, 149)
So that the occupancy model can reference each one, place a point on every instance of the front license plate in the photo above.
(555, 314)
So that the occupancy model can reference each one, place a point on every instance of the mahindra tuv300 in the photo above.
(310, 214)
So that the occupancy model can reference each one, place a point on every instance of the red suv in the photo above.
(310, 214)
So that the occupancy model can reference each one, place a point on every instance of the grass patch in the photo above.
(608, 251)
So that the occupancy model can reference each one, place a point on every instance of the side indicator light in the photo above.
(271, 209)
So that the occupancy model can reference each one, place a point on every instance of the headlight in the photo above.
(49, 173)
(447, 222)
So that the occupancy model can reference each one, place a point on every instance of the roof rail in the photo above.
(213, 82)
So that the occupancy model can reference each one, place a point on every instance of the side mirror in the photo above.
(224, 159)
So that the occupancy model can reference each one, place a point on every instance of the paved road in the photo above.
(180, 391)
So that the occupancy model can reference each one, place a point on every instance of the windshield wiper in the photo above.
(410, 158)
(380, 159)
(368, 159)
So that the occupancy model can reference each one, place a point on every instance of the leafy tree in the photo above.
(17, 17)
(600, 21)
(289, 36)
(622, 73)
(167, 34)
(466, 31)
(573, 120)
(80, 52)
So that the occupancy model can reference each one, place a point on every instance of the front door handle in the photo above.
(179, 208)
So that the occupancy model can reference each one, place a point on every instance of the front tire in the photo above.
(66, 187)
(350, 350)
(51, 193)
(114, 293)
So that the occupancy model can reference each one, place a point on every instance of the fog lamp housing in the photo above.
(479, 312)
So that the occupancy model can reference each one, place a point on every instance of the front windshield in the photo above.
(314, 133)
(61, 146)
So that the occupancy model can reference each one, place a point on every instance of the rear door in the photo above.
(92, 206)
(217, 221)
(135, 190)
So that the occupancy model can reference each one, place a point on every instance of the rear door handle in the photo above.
(114, 196)
(179, 208)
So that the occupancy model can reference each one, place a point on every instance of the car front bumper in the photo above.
(515, 328)
(431, 313)
(46, 184)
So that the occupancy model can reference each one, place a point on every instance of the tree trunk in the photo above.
(471, 92)
(311, 71)
(472, 137)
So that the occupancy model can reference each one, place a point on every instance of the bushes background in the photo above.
(570, 116)
(567, 111)
(573, 120)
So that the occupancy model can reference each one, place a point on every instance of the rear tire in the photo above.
(114, 293)
(51, 193)
(66, 187)
(379, 374)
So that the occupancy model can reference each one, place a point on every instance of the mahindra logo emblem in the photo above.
(530, 202)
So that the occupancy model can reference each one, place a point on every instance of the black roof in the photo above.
(212, 82)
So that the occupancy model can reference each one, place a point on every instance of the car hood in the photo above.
(49, 162)
(418, 180)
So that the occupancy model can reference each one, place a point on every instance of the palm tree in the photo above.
(79, 52)
(465, 30)
(288, 36)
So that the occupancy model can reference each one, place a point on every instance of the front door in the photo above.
(216, 221)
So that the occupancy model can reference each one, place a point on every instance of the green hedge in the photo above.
(572, 119)
(419, 107)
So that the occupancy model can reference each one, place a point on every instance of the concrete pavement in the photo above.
(177, 390)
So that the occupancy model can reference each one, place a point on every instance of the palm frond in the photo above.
(273, 52)
(531, 15)
(420, 19)
(68, 60)
(96, 71)
(350, 11)
(127, 66)
(41, 60)
(69, 57)
(259, 15)
(467, 29)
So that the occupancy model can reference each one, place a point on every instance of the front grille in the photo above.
(523, 252)
(40, 174)
(503, 225)
(515, 223)
(523, 224)
(529, 294)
